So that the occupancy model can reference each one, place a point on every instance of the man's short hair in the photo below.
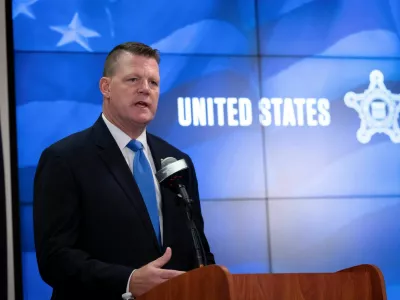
(135, 48)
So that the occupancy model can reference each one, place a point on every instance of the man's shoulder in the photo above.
(71, 144)
(167, 148)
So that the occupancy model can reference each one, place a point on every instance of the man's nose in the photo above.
(144, 87)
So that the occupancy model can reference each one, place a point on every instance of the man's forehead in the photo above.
(137, 59)
(132, 62)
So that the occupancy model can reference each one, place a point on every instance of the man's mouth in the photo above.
(141, 104)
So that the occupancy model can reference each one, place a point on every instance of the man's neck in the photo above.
(133, 131)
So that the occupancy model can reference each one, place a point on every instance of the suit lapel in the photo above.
(115, 162)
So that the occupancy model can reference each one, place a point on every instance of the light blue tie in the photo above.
(144, 178)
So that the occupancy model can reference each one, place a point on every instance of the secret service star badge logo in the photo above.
(378, 109)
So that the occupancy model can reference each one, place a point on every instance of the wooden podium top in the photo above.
(363, 282)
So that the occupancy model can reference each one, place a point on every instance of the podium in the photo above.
(362, 282)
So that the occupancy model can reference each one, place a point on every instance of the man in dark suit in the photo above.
(103, 225)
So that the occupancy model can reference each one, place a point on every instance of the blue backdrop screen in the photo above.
(289, 109)
(172, 26)
(317, 153)
(329, 28)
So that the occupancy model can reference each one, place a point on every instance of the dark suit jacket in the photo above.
(91, 225)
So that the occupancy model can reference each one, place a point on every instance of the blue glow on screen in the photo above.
(330, 28)
(318, 161)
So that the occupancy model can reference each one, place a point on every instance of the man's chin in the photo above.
(142, 121)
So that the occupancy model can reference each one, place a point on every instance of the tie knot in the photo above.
(135, 145)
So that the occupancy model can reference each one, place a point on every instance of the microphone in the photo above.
(170, 175)
(169, 167)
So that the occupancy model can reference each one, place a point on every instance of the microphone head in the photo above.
(166, 161)
(170, 167)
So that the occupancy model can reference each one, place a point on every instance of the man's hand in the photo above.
(150, 275)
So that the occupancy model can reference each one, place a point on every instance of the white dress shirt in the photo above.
(122, 140)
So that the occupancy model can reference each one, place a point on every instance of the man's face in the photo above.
(133, 89)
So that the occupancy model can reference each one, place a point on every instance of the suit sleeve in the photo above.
(197, 214)
(57, 218)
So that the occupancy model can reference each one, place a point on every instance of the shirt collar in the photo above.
(121, 137)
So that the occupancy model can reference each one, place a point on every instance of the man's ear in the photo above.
(105, 86)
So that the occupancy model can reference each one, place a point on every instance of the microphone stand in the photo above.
(200, 253)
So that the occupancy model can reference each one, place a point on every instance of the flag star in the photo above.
(75, 32)
(23, 7)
